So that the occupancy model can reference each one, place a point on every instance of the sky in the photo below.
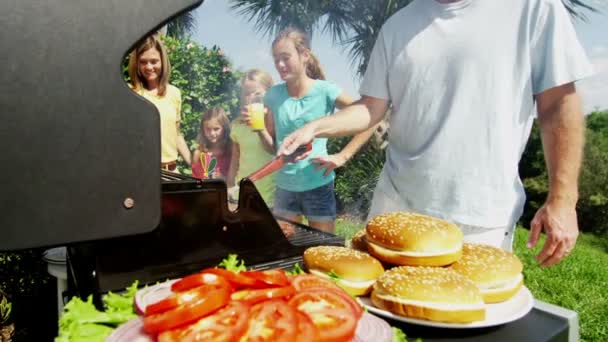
(217, 25)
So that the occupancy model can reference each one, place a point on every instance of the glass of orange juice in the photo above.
(256, 114)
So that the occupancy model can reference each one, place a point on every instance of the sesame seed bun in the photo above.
(496, 272)
(358, 241)
(430, 293)
(402, 238)
(357, 271)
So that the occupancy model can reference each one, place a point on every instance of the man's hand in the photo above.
(299, 137)
(329, 163)
(560, 225)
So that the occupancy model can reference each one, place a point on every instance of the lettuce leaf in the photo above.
(295, 270)
(232, 263)
(120, 302)
(81, 321)
(399, 335)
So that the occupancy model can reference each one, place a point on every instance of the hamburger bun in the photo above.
(354, 271)
(430, 293)
(496, 272)
(358, 241)
(402, 238)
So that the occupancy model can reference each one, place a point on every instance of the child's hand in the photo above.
(245, 115)
(329, 163)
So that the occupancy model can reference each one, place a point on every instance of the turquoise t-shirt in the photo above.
(290, 114)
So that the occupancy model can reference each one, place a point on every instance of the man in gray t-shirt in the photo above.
(465, 79)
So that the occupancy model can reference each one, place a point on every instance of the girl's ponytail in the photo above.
(313, 68)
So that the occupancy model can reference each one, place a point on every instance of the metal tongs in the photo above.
(278, 162)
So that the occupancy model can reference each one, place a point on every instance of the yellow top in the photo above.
(169, 107)
(252, 156)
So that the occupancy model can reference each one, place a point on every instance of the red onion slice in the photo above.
(372, 328)
(132, 331)
(152, 294)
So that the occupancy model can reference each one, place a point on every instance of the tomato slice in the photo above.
(269, 277)
(271, 320)
(307, 331)
(228, 324)
(334, 325)
(318, 298)
(238, 280)
(254, 296)
(186, 313)
(333, 314)
(303, 281)
(199, 279)
(329, 295)
(180, 298)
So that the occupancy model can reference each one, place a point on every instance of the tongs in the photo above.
(278, 162)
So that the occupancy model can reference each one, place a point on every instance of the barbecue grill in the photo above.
(197, 230)
(81, 167)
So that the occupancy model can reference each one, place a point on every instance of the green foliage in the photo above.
(356, 180)
(205, 78)
(23, 273)
(348, 227)
(5, 309)
(593, 203)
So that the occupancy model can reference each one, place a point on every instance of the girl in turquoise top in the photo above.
(305, 188)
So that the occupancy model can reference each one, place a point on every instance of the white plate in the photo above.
(496, 314)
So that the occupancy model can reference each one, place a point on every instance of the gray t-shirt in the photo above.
(461, 78)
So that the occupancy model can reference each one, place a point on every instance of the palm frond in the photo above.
(182, 25)
(575, 8)
(271, 16)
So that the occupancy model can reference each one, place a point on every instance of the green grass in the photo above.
(579, 283)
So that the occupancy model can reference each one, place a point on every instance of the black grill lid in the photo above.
(76, 141)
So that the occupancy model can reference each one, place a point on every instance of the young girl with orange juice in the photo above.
(305, 188)
(249, 152)
(213, 156)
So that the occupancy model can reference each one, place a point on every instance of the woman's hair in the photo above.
(219, 114)
(302, 44)
(138, 82)
(259, 76)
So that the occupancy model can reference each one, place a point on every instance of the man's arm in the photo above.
(337, 160)
(358, 117)
(562, 128)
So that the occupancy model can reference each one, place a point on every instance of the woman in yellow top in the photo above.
(248, 152)
(149, 69)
